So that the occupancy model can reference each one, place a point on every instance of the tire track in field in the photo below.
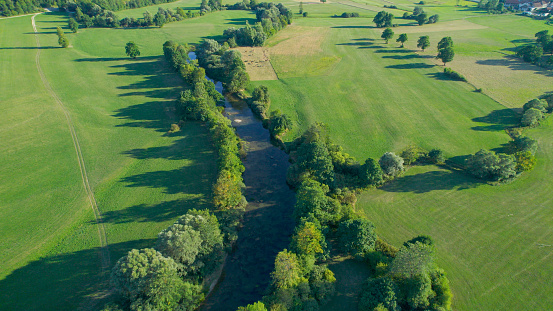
(106, 261)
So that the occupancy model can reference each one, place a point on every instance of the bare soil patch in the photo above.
(258, 63)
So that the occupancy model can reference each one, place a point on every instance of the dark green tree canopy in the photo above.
(387, 34)
(423, 42)
(383, 19)
(402, 38)
(391, 164)
(445, 42)
(357, 237)
(446, 54)
(132, 49)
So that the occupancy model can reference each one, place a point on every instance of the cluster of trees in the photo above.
(533, 53)
(421, 17)
(533, 112)
(488, 165)
(199, 102)
(388, 34)
(62, 40)
(407, 279)
(347, 15)
(276, 122)
(383, 19)
(223, 64)
(94, 15)
(19, 7)
(492, 6)
(270, 19)
(210, 5)
(170, 276)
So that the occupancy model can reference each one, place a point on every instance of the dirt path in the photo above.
(90, 194)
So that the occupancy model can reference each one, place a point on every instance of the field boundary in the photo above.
(104, 252)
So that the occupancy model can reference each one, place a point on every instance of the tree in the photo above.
(525, 161)
(159, 19)
(315, 158)
(372, 173)
(387, 34)
(402, 38)
(391, 164)
(436, 156)
(486, 164)
(63, 41)
(446, 54)
(357, 237)
(73, 25)
(445, 42)
(378, 293)
(418, 10)
(287, 271)
(423, 42)
(132, 49)
(383, 19)
(536, 104)
(523, 144)
(147, 20)
(279, 123)
(307, 240)
(421, 19)
(301, 7)
(180, 242)
(433, 19)
(531, 117)
(59, 31)
(412, 259)
(147, 280)
(530, 53)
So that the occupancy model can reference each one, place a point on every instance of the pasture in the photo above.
(142, 177)
(377, 97)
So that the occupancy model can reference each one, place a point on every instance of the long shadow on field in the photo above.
(114, 59)
(498, 120)
(430, 181)
(352, 27)
(240, 21)
(31, 48)
(161, 212)
(411, 66)
(67, 281)
(515, 63)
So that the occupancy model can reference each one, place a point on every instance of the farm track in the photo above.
(104, 249)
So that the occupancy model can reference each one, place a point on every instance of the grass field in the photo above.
(121, 109)
(379, 98)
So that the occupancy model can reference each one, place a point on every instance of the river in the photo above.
(267, 224)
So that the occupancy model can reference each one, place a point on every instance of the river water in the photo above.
(267, 224)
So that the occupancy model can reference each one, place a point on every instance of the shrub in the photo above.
(536, 104)
(372, 174)
(279, 123)
(411, 154)
(525, 161)
(436, 156)
(488, 165)
(454, 75)
(523, 144)
(304, 14)
(531, 117)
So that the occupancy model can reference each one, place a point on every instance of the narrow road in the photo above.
(105, 256)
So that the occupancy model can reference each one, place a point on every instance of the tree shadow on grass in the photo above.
(116, 59)
(358, 43)
(68, 281)
(411, 66)
(240, 21)
(392, 50)
(515, 63)
(431, 181)
(408, 56)
(353, 27)
(31, 48)
(498, 120)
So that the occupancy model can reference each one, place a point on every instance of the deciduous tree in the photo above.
(383, 19)
(446, 54)
(132, 49)
(402, 38)
(423, 42)
(387, 34)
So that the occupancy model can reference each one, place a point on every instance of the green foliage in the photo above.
(433, 19)
(488, 165)
(160, 19)
(391, 164)
(530, 53)
(307, 240)
(436, 156)
(412, 259)
(372, 173)
(383, 19)
(424, 239)
(536, 104)
(423, 42)
(131, 49)
(180, 242)
(63, 42)
(387, 34)
(379, 292)
(454, 74)
(257, 306)
(412, 154)
(525, 161)
(445, 42)
(440, 286)
(311, 200)
(73, 25)
(402, 38)
(531, 117)
(315, 159)
(279, 123)
(446, 54)
(523, 144)
(147, 280)
(287, 271)
(421, 19)
(357, 237)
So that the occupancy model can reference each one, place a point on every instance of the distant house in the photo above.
(527, 5)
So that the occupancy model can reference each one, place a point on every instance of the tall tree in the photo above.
(132, 49)
(287, 271)
(387, 34)
(423, 42)
(402, 38)
(422, 19)
(383, 19)
(301, 7)
(73, 25)
(446, 54)
(445, 42)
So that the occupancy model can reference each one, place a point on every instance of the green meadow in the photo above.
(143, 177)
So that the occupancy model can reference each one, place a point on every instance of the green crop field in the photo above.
(377, 97)
(121, 110)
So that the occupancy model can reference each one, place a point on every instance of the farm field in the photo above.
(377, 98)
(121, 109)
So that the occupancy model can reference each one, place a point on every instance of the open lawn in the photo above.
(493, 241)
(121, 110)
